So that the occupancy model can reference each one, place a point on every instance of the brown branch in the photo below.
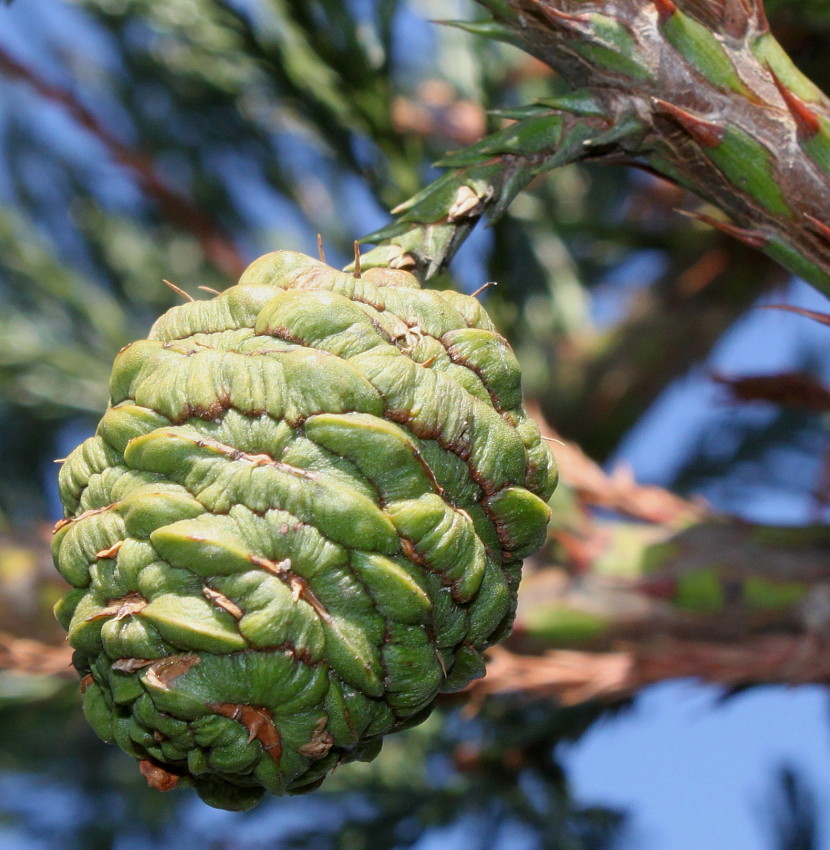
(617, 491)
(217, 246)
(571, 677)
(34, 657)
(791, 389)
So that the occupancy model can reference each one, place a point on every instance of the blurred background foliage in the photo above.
(143, 141)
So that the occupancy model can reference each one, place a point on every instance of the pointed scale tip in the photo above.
(357, 270)
(665, 9)
(806, 121)
(178, 290)
(753, 238)
(402, 207)
(482, 288)
(484, 29)
(761, 22)
(576, 23)
(705, 133)
(820, 226)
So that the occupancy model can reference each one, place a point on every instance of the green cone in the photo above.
(301, 518)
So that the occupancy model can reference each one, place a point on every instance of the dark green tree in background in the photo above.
(145, 141)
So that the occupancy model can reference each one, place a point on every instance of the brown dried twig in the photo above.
(34, 657)
(571, 677)
(791, 389)
(618, 491)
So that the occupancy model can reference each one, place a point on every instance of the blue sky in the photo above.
(697, 772)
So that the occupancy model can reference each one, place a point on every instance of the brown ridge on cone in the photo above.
(157, 777)
(259, 723)
(163, 673)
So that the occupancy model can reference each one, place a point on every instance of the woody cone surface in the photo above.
(301, 518)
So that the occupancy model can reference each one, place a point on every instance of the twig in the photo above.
(572, 677)
(218, 247)
(34, 657)
(618, 491)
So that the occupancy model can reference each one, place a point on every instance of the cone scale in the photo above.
(301, 519)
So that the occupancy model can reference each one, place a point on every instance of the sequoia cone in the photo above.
(301, 518)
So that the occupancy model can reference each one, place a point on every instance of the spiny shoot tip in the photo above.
(806, 121)
(705, 133)
(665, 9)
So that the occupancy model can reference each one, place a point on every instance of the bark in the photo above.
(34, 657)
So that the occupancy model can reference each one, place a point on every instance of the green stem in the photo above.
(703, 96)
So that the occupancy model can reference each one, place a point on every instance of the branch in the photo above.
(698, 93)
(484, 179)
(217, 247)
(572, 677)
(590, 485)
(34, 657)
